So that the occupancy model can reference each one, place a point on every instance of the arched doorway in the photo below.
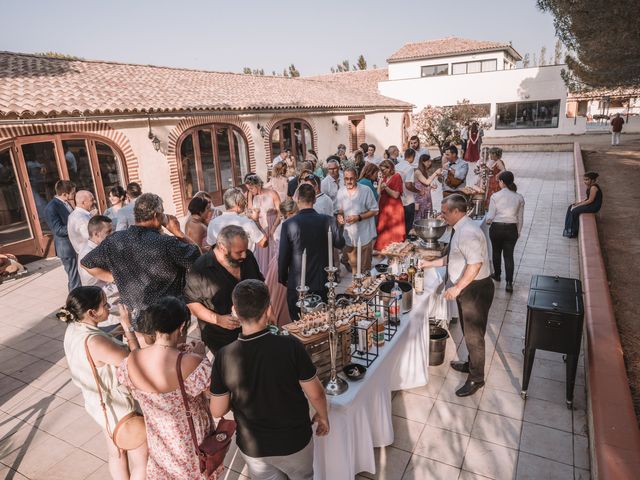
(30, 167)
(291, 134)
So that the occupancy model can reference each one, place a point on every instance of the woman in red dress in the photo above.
(390, 226)
(472, 153)
(495, 165)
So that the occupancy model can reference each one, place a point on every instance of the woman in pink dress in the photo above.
(423, 183)
(150, 374)
(279, 181)
(391, 217)
(278, 292)
(263, 203)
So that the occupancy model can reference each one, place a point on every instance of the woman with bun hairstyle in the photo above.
(591, 204)
(152, 376)
(506, 214)
(85, 308)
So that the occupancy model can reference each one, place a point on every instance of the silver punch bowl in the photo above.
(430, 230)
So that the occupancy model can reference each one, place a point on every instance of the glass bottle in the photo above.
(419, 282)
(411, 271)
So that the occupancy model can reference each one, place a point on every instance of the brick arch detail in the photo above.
(279, 118)
(172, 149)
(101, 129)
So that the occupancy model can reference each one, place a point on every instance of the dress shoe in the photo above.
(460, 366)
(509, 287)
(496, 277)
(469, 388)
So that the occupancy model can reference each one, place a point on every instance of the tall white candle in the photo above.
(330, 244)
(303, 275)
(359, 259)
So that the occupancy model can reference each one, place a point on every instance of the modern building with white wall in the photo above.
(176, 131)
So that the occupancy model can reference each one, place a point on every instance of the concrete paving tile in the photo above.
(38, 372)
(547, 443)
(580, 426)
(490, 460)
(450, 416)
(391, 464)
(37, 459)
(102, 473)
(453, 382)
(504, 380)
(233, 459)
(11, 361)
(29, 403)
(411, 406)
(502, 403)
(76, 466)
(464, 475)
(9, 384)
(406, 433)
(79, 431)
(420, 468)
(498, 429)
(532, 467)
(10, 474)
(431, 389)
(581, 452)
(551, 414)
(581, 474)
(442, 445)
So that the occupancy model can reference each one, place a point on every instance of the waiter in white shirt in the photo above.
(79, 219)
(469, 283)
(506, 213)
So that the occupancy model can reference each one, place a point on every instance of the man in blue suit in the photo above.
(306, 231)
(56, 215)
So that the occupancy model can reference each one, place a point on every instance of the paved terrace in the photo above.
(45, 433)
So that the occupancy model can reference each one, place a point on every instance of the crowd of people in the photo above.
(236, 271)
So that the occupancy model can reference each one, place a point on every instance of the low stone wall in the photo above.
(614, 436)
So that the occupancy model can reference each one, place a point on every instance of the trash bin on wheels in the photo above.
(555, 314)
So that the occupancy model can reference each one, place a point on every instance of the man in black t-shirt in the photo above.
(211, 281)
(264, 379)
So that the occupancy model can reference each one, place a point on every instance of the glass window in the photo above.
(110, 173)
(189, 174)
(241, 156)
(489, 65)
(542, 114)
(474, 67)
(458, 68)
(14, 226)
(207, 161)
(224, 157)
(435, 70)
(292, 134)
(42, 169)
(78, 164)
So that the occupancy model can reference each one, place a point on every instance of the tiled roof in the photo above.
(35, 85)
(621, 92)
(443, 47)
(356, 79)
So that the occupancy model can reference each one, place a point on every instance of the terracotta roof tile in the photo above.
(447, 46)
(35, 85)
(357, 79)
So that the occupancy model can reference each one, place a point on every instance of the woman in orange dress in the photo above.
(495, 166)
(391, 217)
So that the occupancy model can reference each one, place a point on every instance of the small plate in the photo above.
(354, 371)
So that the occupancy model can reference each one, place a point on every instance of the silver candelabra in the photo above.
(334, 385)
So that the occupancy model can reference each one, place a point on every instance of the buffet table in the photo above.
(361, 418)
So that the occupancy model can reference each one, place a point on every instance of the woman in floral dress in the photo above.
(150, 374)
(423, 182)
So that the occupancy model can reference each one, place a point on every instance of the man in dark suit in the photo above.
(306, 231)
(56, 215)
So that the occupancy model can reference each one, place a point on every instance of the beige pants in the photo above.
(350, 255)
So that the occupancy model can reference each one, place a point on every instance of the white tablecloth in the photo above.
(361, 418)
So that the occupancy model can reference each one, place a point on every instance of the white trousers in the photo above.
(615, 138)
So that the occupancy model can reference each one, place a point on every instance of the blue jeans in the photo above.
(70, 265)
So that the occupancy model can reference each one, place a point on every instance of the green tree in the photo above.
(526, 60)
(542, 61)
(293, 71)
(361, 63)
(602, 39)
(558, 53)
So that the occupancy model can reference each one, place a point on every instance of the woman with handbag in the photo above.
(92, 356)
(152, 376)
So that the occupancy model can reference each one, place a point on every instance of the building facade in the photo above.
(175, 131)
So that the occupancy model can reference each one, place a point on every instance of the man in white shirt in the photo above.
(459, 169)
(469, 283)
(99, 228)
(357, 208)
(371, 155)
(414, 144)
(324, 204)
(506, 216)
(334, 180)
(406, 170)
(235, 204)
(79, 219)
(281, 157)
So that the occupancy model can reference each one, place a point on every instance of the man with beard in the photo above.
(211, 281)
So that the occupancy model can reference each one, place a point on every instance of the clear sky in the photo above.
(229, 35)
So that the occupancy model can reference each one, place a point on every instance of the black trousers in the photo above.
(503, 241)
(474, 303)
(292, 299)
(409, 216)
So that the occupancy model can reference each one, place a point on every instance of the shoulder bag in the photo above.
(216, 443)
(130, 432)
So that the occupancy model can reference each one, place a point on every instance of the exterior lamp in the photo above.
(335, 124)
(152, 136)
(386, 121)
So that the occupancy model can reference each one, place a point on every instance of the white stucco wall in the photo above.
(413, 69)
(502, 86)
(381, 134)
